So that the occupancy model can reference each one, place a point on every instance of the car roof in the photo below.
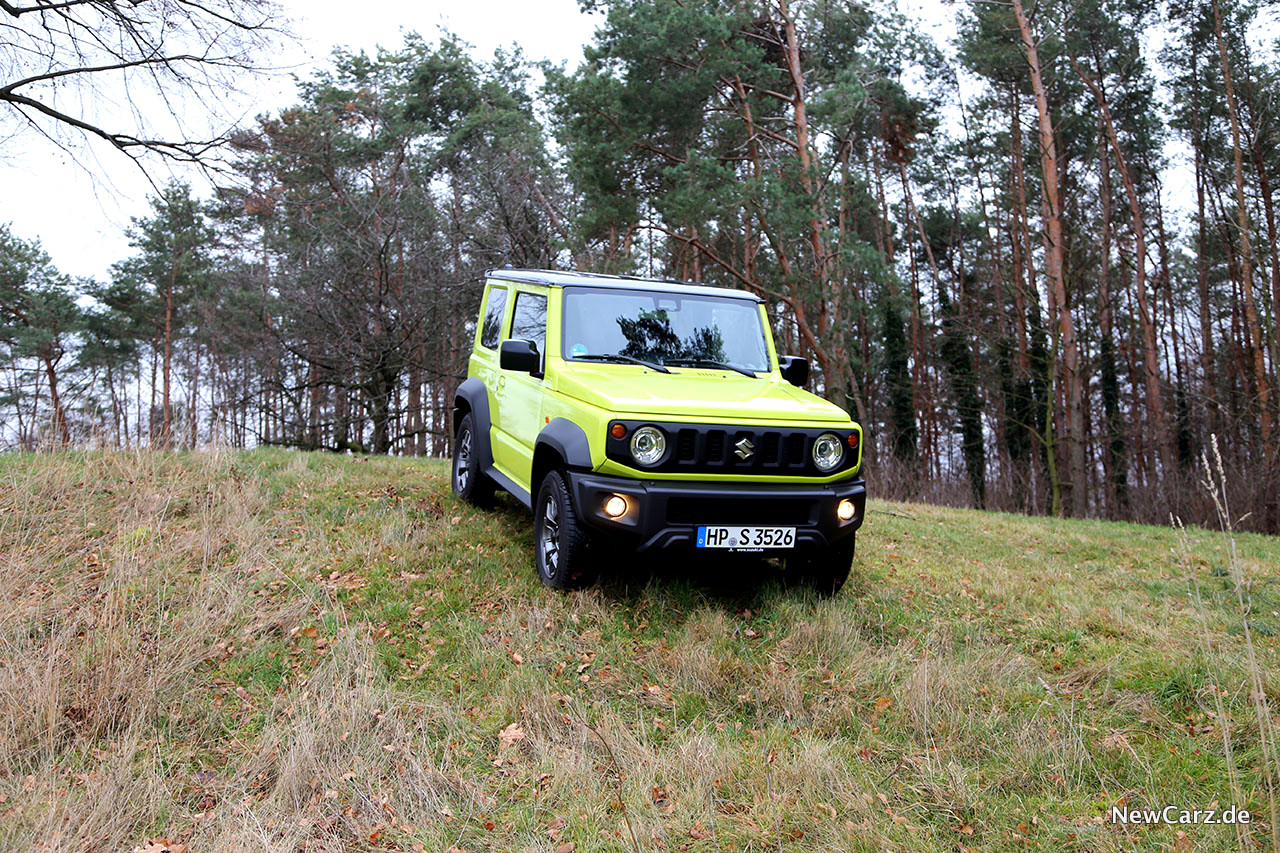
(552, 278)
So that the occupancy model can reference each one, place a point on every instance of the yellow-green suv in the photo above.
(656, 414)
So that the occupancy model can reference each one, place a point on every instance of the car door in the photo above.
(522, 392)
(484, 356)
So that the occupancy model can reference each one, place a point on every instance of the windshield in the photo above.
(663, 328)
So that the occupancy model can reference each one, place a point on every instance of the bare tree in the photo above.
(125, 72)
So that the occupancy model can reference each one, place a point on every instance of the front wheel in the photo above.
(559, 537)
(824, 571)
(469, 482)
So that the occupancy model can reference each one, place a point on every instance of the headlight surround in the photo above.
(648, 446)
(828, 452)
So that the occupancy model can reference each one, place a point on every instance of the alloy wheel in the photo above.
(462, 461)
(550, 543)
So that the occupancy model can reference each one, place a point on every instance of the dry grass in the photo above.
(276, 651)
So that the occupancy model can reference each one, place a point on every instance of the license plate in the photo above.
(746, 538)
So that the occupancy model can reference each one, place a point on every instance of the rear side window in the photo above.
(530, 320)
(493, 311)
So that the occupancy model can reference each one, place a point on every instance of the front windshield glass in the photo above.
(663, 328)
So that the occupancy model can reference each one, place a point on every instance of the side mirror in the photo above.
(519, 355)
(794, 369)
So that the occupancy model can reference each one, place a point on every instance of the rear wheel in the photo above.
(469, 482)
(560, 541)
(824, 571)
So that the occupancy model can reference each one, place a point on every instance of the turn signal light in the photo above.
(618, 431)
(853, 439)
(615, 506)
(845, 510)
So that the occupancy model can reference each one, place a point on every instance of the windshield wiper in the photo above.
(618, 357)
(707, 362)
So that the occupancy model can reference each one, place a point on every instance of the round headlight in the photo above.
(828, 451)
(648, 445)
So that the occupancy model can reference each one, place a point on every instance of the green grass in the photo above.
(274, 650)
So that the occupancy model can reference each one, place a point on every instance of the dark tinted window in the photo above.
(530, 320)
(493, 312)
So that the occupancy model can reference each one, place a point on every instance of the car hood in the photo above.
(690, 394)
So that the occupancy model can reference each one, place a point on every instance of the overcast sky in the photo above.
(80, 214)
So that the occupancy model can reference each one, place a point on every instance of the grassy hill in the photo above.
(279, 651)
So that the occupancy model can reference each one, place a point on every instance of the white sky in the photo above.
(80, 212)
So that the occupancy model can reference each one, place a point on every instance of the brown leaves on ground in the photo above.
(161, 845)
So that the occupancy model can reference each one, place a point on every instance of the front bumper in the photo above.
(667, 513)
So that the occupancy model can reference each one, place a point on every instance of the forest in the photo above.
(1037, 262)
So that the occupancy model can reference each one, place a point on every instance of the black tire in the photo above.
(559, 539)
(825, 571)
(469, 482)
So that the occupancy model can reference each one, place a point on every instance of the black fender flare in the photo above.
(476, 398)
(568, 441)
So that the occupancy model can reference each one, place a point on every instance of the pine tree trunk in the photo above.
(1151, 353)
(1262, 387)
(166, 424)
(1115, 464)
(1053, 246)
(1269, 212)
(1209, 392)
(61, 431)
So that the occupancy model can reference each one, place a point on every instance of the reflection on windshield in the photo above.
(663, 327)
(650, 337)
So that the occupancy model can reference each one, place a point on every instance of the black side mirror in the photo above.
(519, 355)
(794, 369)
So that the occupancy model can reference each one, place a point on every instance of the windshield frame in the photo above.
(766, 339)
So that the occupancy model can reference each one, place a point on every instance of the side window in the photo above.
(530, 320)
(493, 312)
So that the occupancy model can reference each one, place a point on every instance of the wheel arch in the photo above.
(473, 398)
(561, 444)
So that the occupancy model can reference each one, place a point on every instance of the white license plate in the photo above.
(746, 538)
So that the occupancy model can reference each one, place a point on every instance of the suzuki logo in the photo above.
(745, 449)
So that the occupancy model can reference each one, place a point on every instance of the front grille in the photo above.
(715, 449)
(687, 510)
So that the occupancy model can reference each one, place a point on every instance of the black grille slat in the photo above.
(714, 454)
(687, 446)
(795, 448)
(688, 510)
(772, 446)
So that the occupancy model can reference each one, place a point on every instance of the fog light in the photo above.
(615, 506)
(845, 510)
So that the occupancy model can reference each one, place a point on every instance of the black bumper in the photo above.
(668, 513)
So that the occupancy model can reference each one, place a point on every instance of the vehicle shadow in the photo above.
(733, 581)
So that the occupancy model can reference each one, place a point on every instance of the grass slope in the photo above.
(279, 651)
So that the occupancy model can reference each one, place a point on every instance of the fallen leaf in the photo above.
(509, 735)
